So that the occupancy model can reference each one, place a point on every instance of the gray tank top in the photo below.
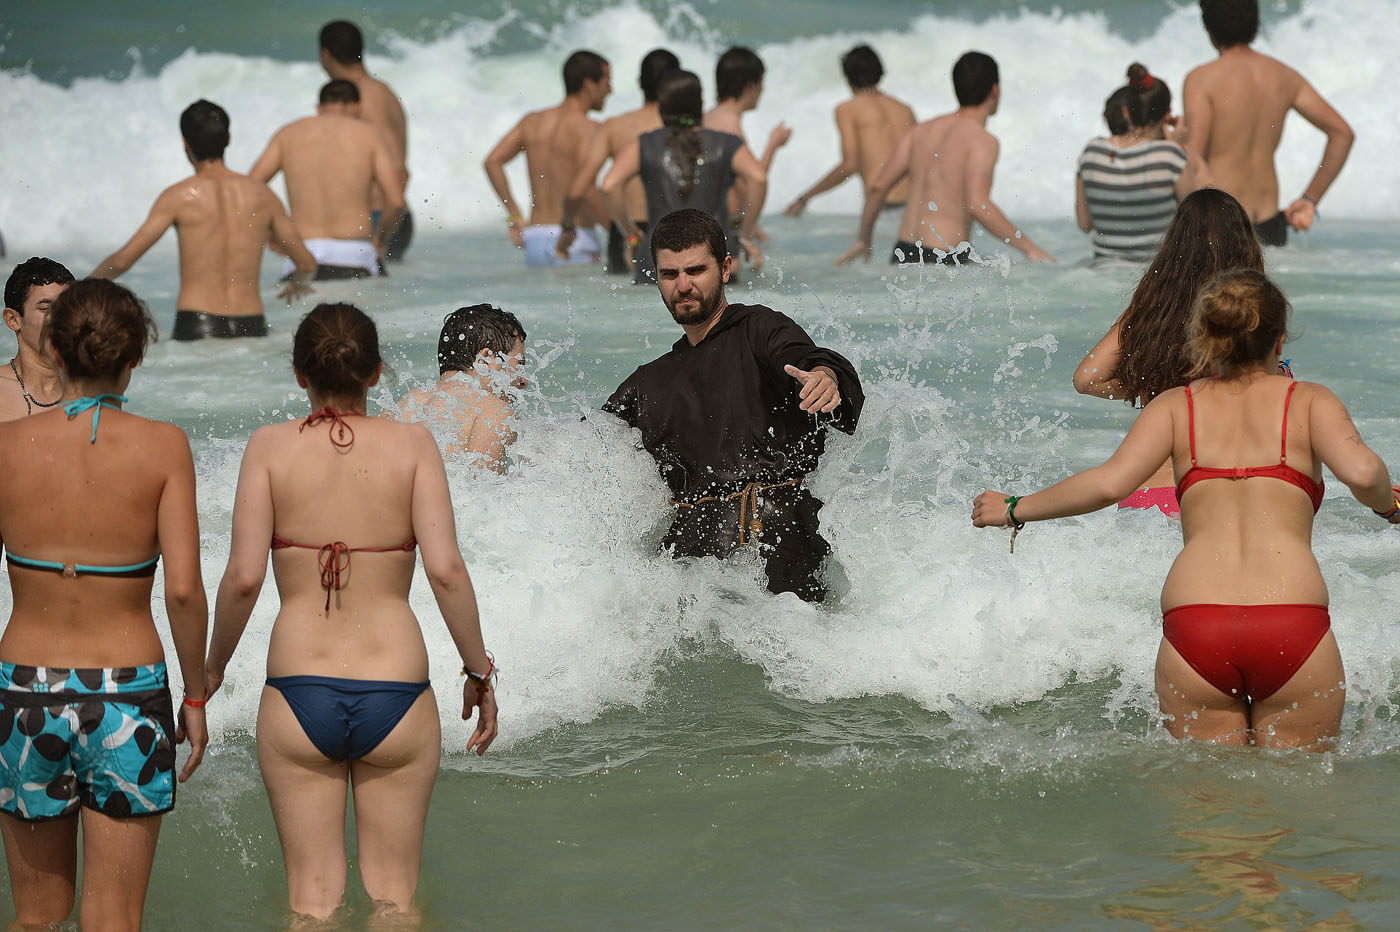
(664, 180)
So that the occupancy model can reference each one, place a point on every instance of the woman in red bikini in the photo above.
(342, 500)
(1144, 353)
(1247, 654)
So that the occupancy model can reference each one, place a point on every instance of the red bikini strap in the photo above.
(338, 428)
(1191, 423)
(1287, 397)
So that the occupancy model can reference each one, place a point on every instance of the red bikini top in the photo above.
(335, 558)
(1279, 470)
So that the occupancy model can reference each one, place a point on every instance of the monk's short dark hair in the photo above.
(339, 91)
(862, 67)
(205, 127)
(343, 41)
(974, 76)
(656, 63)
(682, 229)
(469, 330)
(582, 66)
(736, 69)
(33, 273)
(1230, 22)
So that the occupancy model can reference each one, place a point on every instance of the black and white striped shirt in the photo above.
(1131, 196)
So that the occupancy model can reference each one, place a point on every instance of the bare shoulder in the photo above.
(167, 442)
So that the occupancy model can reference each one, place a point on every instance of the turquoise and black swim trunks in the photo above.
(99, 738)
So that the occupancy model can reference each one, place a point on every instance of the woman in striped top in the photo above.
(1128, 184)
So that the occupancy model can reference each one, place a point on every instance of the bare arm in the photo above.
(388, 174)
(1142, 452)
(270, 162)
(981, 162)
(177, 528)
(1081, 206)
(626, 165)
(1310, 104)
(511, 145)
(1196, 113)
(287, 240)
(247, 558)
(1339, 445)
(875, 193)
(436, 532)
(160, 219)
(585, 179)
(848, 166)
(1091, 378)
(751, 182)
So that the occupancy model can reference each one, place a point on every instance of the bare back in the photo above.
(363, 497)
(624, 129)
(943, 155)
(555, 142)
(69, 500)
(381, 108)
(222, 221)
(1246, 541)
(477, 423)
(877, 122)
(331, 162)
(1235, 109)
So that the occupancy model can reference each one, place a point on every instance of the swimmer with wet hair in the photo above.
(90, 740)
(355, 710)
(30, 383)
(738, 86)
(1247, 654)
(481, 352)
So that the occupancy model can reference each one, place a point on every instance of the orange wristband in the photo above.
(196, 703)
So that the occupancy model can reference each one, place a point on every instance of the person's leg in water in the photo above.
(307, 792)
(1306, 712)
(1192, 707)
(42, 858)
(117, 858)
(392, 787)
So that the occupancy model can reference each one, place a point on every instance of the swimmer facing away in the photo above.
(1247, 654)
(347, 702)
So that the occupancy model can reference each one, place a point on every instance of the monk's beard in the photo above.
(701, 312)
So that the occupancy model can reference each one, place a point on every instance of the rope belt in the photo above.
(749, 524)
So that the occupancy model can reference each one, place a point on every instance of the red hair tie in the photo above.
(1144, 85)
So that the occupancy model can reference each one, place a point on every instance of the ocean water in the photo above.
(961, 738)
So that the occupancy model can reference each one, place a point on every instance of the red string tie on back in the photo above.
(338, 431)
(334, 559)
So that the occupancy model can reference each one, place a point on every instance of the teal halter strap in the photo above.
(74, 408)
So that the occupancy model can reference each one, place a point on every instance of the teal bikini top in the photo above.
(72, 570)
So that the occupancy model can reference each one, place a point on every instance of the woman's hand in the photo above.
(989, 509)
(484, 701)
(189, 723)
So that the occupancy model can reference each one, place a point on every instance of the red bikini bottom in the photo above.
(1246, 650)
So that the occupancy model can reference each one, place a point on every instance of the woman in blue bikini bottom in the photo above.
(347, 703)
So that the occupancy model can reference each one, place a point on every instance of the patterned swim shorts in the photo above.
(100, 738)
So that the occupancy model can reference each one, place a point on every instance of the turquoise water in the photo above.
(962, 738)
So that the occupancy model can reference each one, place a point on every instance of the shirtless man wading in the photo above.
(332, 162)
(342, 56)
(222, 220)
(556, 143)
(1235, 108)
(30, 383)
(871, 124)
(949, 161)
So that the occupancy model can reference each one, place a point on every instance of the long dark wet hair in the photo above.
(679, 98)
(1209, 234)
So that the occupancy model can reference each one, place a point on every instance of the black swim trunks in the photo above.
(1274, 231)
(617, 248)
(197, 325)
(907, 253)
(400, 239)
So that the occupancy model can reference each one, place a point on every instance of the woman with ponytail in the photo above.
(342, 500)
(684, 165)
(95, 500)
(1247, 654)
(1127, 185)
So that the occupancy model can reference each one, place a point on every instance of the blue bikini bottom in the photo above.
(346, 719)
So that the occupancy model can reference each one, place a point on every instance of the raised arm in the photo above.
(1338, 444)
(177, 528)
(875, 193)
(1310, 104)
(160, 219)
(848, 166)
(511, 145)
(981, 164)
(1142, 452)
(1092, 376)
(436, 531)
(247, 557)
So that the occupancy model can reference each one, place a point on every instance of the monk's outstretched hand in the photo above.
(819, 389)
